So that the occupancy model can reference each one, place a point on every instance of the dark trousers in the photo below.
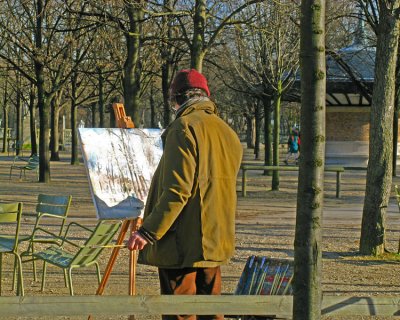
(190, 281)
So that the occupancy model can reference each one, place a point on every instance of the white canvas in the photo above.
(120, 164)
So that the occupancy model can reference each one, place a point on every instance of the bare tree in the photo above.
(126, 18)
(266, 59)
(379, 170)
(370, 11)
(308, 233)
(200, 44)
(34, 28)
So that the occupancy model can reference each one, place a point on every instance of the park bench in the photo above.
(247, 167)
(25, 164)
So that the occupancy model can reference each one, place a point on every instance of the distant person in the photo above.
(188, 228)
(293, 147)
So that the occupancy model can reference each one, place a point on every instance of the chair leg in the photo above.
(43, 276)
(33, 263)
(20, 285)
(71, 289)
(98, 272)
(14, 279)
(65, 278)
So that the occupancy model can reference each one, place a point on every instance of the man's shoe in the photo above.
(286, 162)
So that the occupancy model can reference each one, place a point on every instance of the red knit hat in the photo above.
(187, 79)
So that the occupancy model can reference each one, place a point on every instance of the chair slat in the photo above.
(7, 217)
(9, 207)
(52, 199)
(46, 208)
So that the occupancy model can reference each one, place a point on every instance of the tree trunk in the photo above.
(74, 135)
(5, 118)
(267, 134)
(166, 71)
(395, 132)
(249, 131)
(19, 138)
(257, 117)
(396, 117)
(54, 137)
(277, 125)
(131, 78)
(32, 114)
(379, 170)
(197, 52)
(152, 109)
(101, 103)
(166, 67)
(93, 113)
(43, 101)
(44, 115)
(308, 231)
(74, 111)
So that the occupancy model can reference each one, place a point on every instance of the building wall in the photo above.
(347, 123)
(347, 136)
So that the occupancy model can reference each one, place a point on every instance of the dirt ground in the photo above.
(265, 227)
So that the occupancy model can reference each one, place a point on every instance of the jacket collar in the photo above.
(197, 104)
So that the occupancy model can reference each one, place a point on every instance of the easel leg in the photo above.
(132, 266)
(114, 254)
(132, 272)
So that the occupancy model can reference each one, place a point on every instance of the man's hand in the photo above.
(136, 241)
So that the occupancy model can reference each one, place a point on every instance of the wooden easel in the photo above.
(122, 121)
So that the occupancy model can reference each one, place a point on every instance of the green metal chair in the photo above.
(72, 255)
(51, 211)
(10, 218)
(23, 165)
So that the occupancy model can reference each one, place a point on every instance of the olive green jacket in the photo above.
(190, 210)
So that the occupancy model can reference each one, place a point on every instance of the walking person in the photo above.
(188, 226)
(293, 147)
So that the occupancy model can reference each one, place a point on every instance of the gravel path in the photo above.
(265, 227)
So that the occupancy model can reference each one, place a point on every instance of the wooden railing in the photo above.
(276, 306)
(247, 167)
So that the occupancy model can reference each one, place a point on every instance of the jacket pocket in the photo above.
(163, 253)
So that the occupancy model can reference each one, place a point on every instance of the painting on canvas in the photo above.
(120, 164)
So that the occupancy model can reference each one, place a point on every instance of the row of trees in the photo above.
(57, 56)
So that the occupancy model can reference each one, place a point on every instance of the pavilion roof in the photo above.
(350, 77)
